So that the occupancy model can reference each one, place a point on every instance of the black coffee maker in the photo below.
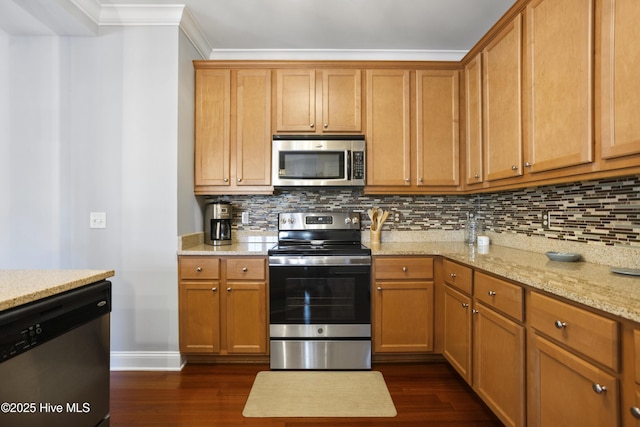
(217, 223)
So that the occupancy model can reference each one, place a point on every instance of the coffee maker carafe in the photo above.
(217, 223)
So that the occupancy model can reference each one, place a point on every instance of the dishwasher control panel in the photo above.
(25, 327)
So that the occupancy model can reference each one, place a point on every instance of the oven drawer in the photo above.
(403, 268)
(321, 354)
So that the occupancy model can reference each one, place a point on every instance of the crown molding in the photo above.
(338, 54)
(141, 15)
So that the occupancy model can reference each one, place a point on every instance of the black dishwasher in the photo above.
(54, 360)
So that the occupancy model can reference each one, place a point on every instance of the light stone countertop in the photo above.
(19, 287)
(587, 283)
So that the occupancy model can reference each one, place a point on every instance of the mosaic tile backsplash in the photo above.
(604, 212)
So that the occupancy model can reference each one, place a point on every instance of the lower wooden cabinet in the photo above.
(403, 305)
(569, 391)
(226, 312)
(457, 331)
(498, 364)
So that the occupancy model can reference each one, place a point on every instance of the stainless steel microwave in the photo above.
(318, 160)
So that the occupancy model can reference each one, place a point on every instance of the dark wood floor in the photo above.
(429, 395)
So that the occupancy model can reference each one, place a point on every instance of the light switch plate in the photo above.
(97, 220)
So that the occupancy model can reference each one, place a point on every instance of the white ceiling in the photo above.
(281, 29)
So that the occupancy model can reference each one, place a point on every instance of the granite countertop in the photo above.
(19, 287)
(583, 282)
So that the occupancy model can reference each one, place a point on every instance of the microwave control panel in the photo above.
(358, 165)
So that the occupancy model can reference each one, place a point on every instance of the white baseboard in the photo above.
(146, 361)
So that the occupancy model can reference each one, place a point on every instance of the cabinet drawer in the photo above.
(588, 333)
(636, 349)
(403, 268)
(246, 268)
(199, 268)
(503, 296)
(458, 275)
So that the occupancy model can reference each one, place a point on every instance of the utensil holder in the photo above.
(375, 236)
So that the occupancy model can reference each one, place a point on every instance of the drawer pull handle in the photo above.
(214, 289)
(465, 305)
(560, 324)
(599, 389)
(404, 269)
(491, 293)
(635, 411)
(199, 269)
(244, 269)
(379, 289)
(453, 275)
(228, 289)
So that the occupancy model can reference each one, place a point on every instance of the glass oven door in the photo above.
(320, 294)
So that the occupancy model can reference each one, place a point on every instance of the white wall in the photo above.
(98, 124)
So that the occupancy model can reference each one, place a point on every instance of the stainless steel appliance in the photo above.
(318, 160)
(54, 360)
(217, 223)
(320, 293)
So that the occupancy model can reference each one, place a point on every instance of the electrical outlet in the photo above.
(97, 220)
(546, 220)
(245, 217)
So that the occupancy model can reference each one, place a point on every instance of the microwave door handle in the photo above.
(348, 165)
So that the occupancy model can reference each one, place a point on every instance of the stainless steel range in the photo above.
(320, 293)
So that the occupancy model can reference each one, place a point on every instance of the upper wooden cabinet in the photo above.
(502, 103)
(558, 81)
(620, 86)
(232, 151)
(334, 105)
(473, 117)
(437, 128)
(388, 128)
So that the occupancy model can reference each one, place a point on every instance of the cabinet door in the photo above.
(457, 331)
(567, 391)
(558, 74)
(473, 116)
(246, 321)
(199, 317)
(502, 104)
(212, 122)
(498, 364)
(620, 84)
(341, 101)
(388, 131)
(437, 120)
(403, 317)
(296, 100)
(253, 127)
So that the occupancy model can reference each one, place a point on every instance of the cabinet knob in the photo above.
(244, 269)
(421, 180)
(326, 125)
(239, 179)
(599, 389)
(635, 411)
(476, 176)
(228, 289)
(198, 269)
(528, 164)
(465, 305)
(214, 289)
(226, 180)
(560, 324)
(453, 275)
(491, 293)
(404, 269)
(407, 180)
(514, 168)
(311, 125)
(474, 311)
(379, 288)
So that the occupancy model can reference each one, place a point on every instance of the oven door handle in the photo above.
(289, 260)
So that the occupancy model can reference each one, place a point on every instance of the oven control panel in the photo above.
(319, 221)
